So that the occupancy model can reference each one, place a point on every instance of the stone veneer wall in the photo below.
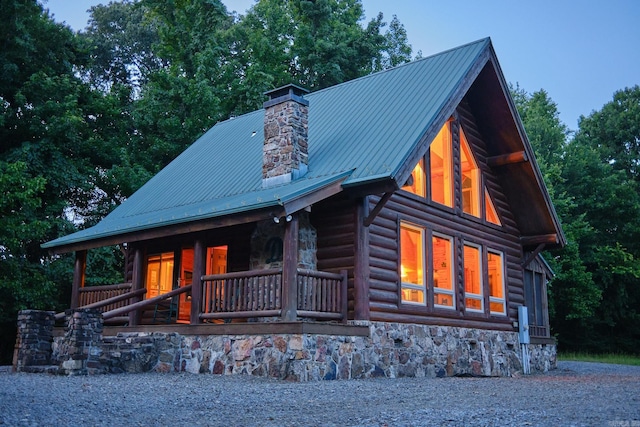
(33, 341)
(267, 244)
(285, 149)
(391, 350)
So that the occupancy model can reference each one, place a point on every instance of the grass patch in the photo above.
(620, 359)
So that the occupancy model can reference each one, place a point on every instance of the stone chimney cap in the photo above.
(286, 93)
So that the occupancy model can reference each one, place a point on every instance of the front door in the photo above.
(216, 264)
(186, 278)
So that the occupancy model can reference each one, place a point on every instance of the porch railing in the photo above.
(246, 294)
(92, 294)
(258, 293)
(254, 293)
(322, 295)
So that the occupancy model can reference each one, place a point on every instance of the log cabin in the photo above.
(387, 226)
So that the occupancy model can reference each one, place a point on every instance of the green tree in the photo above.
(120, 39)
(52, 156)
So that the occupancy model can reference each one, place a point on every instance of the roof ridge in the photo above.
(483, 40)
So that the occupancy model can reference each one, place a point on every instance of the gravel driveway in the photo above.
(576, 394)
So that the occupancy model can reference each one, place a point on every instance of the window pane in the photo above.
(418, 177)
(470, 179)
(440, 168)
(472, 278)
(412, 260)
(496, 283)
(490, 212)
(413, 295)
(159, 274)
(443, 271)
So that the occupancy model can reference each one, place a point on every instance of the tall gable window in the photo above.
(434, 176)
(412, 264)
(470, 179)
(418, 182)
(490, 213)
(441, 167)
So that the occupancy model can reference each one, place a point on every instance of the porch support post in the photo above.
(79, 269)
(361, 262)
(136, 283)
(199, 266)
(290, 271)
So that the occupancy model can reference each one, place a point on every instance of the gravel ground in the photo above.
(576, 394)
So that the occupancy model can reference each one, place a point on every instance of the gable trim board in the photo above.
(364, 138)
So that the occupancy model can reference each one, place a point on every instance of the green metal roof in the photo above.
(361, 131)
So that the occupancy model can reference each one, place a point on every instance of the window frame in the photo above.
(448, 143)
(493, 299)
(423, 260)
(471, 295)
(475, 191)
(442, 291)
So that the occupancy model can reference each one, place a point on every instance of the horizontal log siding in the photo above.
(384, 283)
(334, 220)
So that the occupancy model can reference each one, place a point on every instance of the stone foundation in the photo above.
(391, 350)
(33, 341)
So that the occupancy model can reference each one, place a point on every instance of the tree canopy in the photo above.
(593, 181)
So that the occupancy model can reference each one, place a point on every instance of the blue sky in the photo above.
(579, 51)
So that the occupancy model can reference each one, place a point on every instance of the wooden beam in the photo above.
(290, 270)
(137, 282)
(533, 255)
(378, 207)
(507, 159)
(302, 202)
(199, 269)
(79, 269)
(361, 271)
(172, 230)
(549, 239)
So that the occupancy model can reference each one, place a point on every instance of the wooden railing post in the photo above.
(79, 269)
(136, 284)
(199, 266)
(344, 299)
(290, 271)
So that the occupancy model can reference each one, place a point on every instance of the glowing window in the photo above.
(418, 181)
(443, 289)
(159, 274)
(490, 212)
(440, 165)
(472, 278)
(497, 303)
(470, 179)
(412, 264)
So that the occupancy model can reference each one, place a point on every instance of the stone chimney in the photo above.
(285, 153)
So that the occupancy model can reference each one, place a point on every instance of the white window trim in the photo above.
(504, 291)
(470, 295)
(423, 286)
(451, 292)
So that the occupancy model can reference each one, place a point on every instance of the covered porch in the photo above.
(202, 291)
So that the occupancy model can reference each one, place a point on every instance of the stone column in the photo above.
(79, 351)
(33, 343)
